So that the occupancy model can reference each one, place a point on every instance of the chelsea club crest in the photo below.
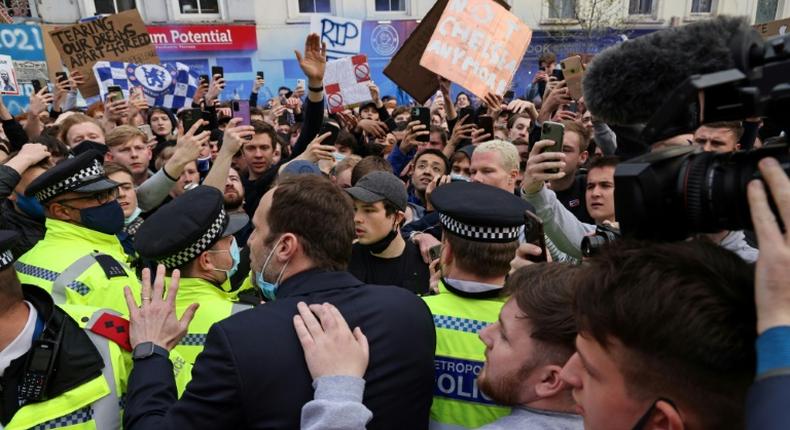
(153, 78)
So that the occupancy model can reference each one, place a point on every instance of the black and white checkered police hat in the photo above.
(7, 240)
(184, 228)
(479, 212)
(81, 174)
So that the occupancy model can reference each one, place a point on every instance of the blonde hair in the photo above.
(123, 134)
(71, 121)
(507, 151)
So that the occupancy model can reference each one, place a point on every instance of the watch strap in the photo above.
(148, 349)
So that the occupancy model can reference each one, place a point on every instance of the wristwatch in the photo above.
(147, 349)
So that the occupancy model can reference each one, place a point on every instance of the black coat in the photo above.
(252, 372)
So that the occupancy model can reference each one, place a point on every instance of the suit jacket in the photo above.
(252, 373)
(766, 406)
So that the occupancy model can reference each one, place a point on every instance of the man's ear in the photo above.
(549, 383)
(583, 156)
(289, 245)
(107, 156)
(59, 212)
(665, 417)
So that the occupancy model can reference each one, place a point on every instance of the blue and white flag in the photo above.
(170, 85)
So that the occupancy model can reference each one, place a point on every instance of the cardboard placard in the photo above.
(8, 82)
(347, 83)
(404, 69)
(773, 28)
(343, 36)
(477, 44)
(119, 37)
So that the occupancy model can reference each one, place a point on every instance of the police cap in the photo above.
(187, 226)
(479, 212)
(81, 174)
(7, 239)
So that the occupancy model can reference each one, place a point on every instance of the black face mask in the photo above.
(640, 425)
(87, 145)
(381, 245)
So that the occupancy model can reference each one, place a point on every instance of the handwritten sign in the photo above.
(773, 28)
(342, 36)
(346, 82)
(119, 37)
(477, 44)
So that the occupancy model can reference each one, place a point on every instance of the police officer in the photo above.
(80, 260)
(481, 226)
(60, 366)
(194, 234)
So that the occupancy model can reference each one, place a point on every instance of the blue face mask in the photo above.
(107, 218)
(269, 289)
(30, 206)
(235, 255)
(133, 216)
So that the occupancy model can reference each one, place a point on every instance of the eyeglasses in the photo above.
(101, 197)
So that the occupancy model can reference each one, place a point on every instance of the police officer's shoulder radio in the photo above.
(40, 364)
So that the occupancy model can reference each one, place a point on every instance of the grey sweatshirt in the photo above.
(527, 419)
(559, 224)
(154, 191)
(337, 404)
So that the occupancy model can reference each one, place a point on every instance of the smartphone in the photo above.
(259, 73)
(217, 70)
(533, 233)
(467, 111)
(572, 107)
(486, 122)
(508, 97)
(328, 127)
(300, 83)
(204, 78)
(552, 131)
(145, 128)
(574, 72)
(189, 117)
(38, 84)
(114, 93)
(435, 252)
(557, 73)
(422, 114)
(283, 119)
(63, 77)
(241, 109)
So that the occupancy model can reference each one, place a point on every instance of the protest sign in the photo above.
(120, 37)
(8, 83)
(171, 85)
(773, 28)
(22, 42)
(346, 82)
(477, 44)
(343, 36)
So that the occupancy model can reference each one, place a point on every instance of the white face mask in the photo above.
(128, 220)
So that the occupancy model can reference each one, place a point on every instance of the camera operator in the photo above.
(723, 137)
(559, 224)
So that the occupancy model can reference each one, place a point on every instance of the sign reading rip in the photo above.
(477, 44)
(119, 37)
(342, 36)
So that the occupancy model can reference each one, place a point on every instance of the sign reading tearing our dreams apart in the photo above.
(346, 83)
(342, 36)
(477, 44)
(119, 37)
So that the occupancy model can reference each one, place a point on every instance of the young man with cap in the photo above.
(64, 365)
(381, 255)
(80, 260)
(481, 226)
(194, 234)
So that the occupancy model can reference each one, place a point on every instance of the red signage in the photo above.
(203, 37)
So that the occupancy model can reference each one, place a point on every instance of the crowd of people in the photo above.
(368, 269)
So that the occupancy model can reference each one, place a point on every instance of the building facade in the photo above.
(245, 36)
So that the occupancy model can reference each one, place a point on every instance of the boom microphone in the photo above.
(627, 83)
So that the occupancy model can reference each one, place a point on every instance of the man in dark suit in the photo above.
(251, 373)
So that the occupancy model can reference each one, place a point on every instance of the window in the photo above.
(562, 9)
(199, 6)
(701, 6)
(113, 6)
(390, 5)
(766, 11)
(19, 8)
(640, 7)
(314, 6)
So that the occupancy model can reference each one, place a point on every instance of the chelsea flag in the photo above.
(170, 85)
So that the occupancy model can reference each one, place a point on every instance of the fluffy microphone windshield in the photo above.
(625, 84)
